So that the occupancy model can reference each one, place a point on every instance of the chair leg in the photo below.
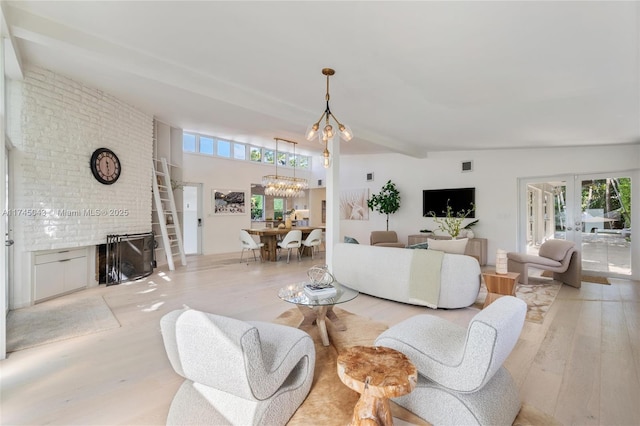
(572, 276)
(241, 254)
(521, 268)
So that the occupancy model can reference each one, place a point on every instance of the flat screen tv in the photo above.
(435, 200)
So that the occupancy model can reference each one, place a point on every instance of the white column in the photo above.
(332, 234)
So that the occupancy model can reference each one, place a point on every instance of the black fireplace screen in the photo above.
(129, 257)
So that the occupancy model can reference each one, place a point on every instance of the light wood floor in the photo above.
(582, 365)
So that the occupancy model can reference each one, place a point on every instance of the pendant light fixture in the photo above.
(285, 186)
(328, 132)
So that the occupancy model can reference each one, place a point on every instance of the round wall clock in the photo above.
(105, 166)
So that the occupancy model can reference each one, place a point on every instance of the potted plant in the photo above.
(452, 221)
(387, 201)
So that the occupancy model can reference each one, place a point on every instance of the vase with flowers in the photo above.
(452, 222)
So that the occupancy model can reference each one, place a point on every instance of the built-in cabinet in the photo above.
(56, 272)
(476, 247)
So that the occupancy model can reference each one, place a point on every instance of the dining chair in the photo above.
(293, 240)
(248, 243)
(313, 240)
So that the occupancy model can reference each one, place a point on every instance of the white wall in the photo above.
(220, 232)
(495, 176)
(56, 124)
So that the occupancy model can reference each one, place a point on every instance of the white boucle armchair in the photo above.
(237, 373)
(461, 378)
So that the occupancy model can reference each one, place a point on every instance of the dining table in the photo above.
(269, 236)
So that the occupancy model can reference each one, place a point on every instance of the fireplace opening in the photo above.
(125, 258)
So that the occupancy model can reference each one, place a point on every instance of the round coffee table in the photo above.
(376, 373)
(317, 310)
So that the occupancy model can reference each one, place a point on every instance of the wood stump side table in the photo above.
(376, 373)
(499, 285)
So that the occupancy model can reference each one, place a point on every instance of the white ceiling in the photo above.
(411, 77)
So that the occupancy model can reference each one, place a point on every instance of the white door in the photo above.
(606, 215)
(5, 228)
(192, 210)
(594, 211)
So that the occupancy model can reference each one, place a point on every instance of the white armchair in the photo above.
(461, 377)
(238, 373)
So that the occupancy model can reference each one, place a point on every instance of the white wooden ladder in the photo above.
(167, 214)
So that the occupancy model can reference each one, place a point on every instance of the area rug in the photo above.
(330, 402)
(58, 319)
(539, 296)
(586, 278)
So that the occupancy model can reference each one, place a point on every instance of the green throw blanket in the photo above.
(424, 285)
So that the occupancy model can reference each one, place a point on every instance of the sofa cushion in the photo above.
(350, 240)
(555, 249)
(419, 246)
(448, 246)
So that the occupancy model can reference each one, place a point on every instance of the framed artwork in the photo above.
(228, 201)
(353, 204)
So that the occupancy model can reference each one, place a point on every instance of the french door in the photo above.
(592, 210)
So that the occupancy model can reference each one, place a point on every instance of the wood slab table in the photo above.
(377, 373)
(269, 236)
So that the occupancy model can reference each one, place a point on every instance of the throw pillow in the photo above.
(448, 246)
(351, 240)
(419, 246)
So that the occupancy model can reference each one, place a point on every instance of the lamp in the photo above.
(328, 132)
(285, 186)
(501, 262)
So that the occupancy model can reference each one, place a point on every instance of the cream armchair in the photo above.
(461, 379)
(558, 256)
(238, 373)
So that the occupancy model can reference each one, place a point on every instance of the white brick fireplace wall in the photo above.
(55, 124)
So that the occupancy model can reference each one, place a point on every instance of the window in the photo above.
(206, 145)
(278, 208)
(257, 207)
(303, 162)
(255, 154)
(269, 156)
(282, 158)
(224, 149)
(210, 145)
(239, 151)
(188, 142)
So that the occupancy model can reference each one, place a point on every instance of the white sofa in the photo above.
(419, 277)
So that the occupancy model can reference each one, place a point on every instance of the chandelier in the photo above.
(285, 186)
(328, 132)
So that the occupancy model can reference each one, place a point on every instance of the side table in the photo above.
(376, 373)
(499, 285)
